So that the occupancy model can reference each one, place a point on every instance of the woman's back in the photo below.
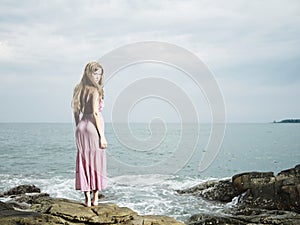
(86, 100)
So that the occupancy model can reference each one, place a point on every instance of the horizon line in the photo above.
(139, 122)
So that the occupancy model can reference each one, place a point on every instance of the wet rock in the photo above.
(8, 215)
(24, 201)
(255, 189)
(264, 190)
(154, 220)
(262, 198)
(247, 216)
(4, 206)
(46, 210)
(211, 219)
(22, 189)
(243, 182)
(218, 190)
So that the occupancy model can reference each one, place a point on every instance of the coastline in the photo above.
(252, 197)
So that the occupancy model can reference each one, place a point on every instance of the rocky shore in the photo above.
(29, 206)
(259, 198)
(251, 198)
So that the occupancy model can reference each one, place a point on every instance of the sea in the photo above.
(146, 165)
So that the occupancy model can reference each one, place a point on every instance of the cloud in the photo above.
(222, 33)
(254, 42)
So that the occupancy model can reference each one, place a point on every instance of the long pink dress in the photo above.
(91, 159)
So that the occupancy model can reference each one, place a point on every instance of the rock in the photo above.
(42, 209)
(211, 219)
(104, 213)
(219, 190)
(8, 215)
(22, 189)
(31, 198)
(4, 206)
(243, 182)
(264, 190)
(248, 216)
(263, 198)
(25, 201)
(155, 220)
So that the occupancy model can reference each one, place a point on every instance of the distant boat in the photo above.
(288, 121)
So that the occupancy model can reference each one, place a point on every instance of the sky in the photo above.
(252, 48)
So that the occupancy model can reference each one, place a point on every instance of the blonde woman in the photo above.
(91, 143)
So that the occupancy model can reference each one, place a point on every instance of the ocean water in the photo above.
(143, 174)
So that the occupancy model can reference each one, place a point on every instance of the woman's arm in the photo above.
(76, 117)
(103, 142)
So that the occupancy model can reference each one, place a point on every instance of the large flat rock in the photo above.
(47, 210)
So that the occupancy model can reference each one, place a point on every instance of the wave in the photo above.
(145, 194)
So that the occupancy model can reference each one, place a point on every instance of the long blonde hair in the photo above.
(86, 84)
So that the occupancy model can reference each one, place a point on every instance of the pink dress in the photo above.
(91, 159)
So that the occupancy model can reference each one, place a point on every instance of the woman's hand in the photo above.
(103, 142)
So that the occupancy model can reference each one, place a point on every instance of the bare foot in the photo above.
(87, 199)
(95, 203)
(95, 198)
(88, 203)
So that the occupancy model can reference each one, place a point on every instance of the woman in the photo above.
(91, 143)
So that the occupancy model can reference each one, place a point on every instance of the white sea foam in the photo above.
(56, 186)
(140, 180)
(158, 197)
(145, 194)
(5, 199)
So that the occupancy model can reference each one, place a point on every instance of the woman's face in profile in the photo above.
(97, 75)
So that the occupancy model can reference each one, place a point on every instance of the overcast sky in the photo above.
(252, 48)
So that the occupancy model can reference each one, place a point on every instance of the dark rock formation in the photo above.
(219, 190)
(264, 190)
(247, 217)
(22, 189)
(42, 209)
(262, 198)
